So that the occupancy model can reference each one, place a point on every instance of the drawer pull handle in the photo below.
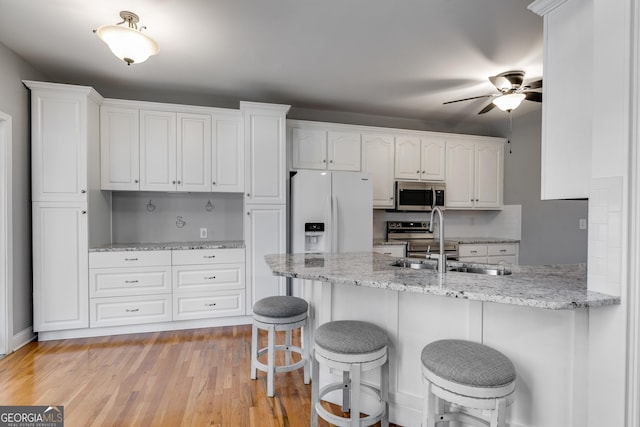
(387, 253)
(474, 252)
(503, 250)
(209, 256)
(132, 310)
(210, 304)
(131, 259)
(210, 278)
(130, 281)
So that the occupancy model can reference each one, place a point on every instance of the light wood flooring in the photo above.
(196, 377)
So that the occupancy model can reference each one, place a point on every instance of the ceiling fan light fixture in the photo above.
(127, 42)
(509, 101)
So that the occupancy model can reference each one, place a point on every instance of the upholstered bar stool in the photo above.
(466, 374)
(352, 347)
(274, 314)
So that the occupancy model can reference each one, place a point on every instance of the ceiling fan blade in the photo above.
(501, 83)
(537, 84)
(468, 99)
(508, 81)
(488, 108)
(533, 96)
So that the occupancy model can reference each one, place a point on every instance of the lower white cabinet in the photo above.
(208, 283)
(491, 253)
(138, 287)
(391, 250)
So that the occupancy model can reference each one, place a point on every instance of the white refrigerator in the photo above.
(331, 211)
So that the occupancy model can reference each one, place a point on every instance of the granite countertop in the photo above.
(557, 287)
(390, 242)
(480, 240)
(211, 244)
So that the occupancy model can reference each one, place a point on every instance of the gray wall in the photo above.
(14, 100)
(550, 231)
(152, 217)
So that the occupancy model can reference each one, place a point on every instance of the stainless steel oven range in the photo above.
(419, 240)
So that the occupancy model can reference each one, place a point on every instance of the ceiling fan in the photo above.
(511, 90)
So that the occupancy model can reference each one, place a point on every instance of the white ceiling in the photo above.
(397, 58)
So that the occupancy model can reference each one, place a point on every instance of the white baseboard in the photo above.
(22, 338)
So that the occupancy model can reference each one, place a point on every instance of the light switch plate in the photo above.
(583, 224)
(203, 233)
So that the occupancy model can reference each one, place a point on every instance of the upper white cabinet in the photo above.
(120, 148)
(63, 126)
(228, 153)
(474, 173)
(317, 147)
(377, 159)
(566, 120)
(265, 152)
(164, 147)
(419, 157)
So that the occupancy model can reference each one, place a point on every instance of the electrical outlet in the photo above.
(203, 233)
(583, 223)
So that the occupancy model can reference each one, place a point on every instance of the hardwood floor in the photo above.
(196, 377)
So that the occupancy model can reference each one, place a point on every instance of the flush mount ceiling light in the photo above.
(127, 42)
(509, 102)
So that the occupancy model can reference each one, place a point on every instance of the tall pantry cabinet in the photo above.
(265, 199)
(69, 211)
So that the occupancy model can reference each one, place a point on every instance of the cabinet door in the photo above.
(309, 148)
(265, 233)
(460, 174)
(488, 175)
(157, 151)
(343, 149)
(59, 146)
(377, 160)
(407, 157)
(265, 152)
(193, 152)
(60, 266)
(119, 148)
(432, 159)
(228, 155)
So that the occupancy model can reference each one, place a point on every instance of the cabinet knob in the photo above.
(330, 161)
(248, 213)
(83, 191)
(179, 182)
(173, 182)
(324, 160)
(417, 171)
(423, 172)
(83, 212)
(135, 181)
(214, 183)
(248, 195)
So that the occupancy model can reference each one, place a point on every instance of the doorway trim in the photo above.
(6, 236)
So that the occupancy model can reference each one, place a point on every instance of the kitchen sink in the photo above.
(415, 264)
(492, 271)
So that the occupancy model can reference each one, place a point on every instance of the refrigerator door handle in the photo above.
(334, 224)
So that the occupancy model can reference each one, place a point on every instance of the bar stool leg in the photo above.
(287, 353)
(384, 392)
(315, 389)
(356, 370)
(271, 360)
(498, 415)
(304, 341)
(346, 391)
(428, 416)
(254, 351)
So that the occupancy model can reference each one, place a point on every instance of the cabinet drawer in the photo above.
(132, 310)
(112, 282)
(472, 250)
(392, 250)
(129, 259)
(501, 249)
(208, 256)
(208, 278)
(208, 304)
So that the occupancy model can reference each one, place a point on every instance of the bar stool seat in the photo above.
(353, 347)
(466, 374)
(274, 314)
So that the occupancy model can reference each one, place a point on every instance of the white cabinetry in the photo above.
(317, 146)
(474, 173)
(265, 199)
(193, 150)
(391, 250)
(65, 182)
(120, 148)
(566, 120)
(419, 158)
(377, 159)
(227, 165)
(157, 151)
(208, 283)
(130, 287)
(492, 253)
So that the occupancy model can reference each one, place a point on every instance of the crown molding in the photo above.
(543, 7)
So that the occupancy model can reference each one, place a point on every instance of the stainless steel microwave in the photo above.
(419, 196)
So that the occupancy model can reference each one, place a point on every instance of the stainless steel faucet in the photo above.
(442, 258)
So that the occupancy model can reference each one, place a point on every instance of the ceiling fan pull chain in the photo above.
(510, 128)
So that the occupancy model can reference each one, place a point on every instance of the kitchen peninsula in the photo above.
(537, 316)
